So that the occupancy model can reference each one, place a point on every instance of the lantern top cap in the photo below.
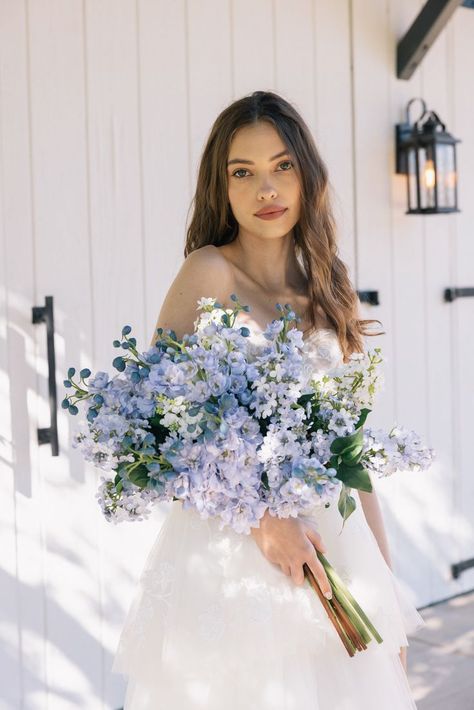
(428, 128)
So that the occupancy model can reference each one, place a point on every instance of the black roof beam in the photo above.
(431, 19)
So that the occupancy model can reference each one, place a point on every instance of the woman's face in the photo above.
(261, 174)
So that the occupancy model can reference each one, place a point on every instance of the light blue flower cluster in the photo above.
(228, 431)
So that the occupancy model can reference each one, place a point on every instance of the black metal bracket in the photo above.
(430, 21)
(44, 314)
(459, 567)
(450, 294)
(371, 297)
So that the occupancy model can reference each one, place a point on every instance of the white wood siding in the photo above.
(104, 109)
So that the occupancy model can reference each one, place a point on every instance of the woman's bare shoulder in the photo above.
(205, 272)
(209, 255)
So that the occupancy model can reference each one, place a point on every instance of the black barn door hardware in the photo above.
(459, 567)
(450, 294)
(371, 297)
(44, 314)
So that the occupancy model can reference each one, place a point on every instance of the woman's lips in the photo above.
(271, 215)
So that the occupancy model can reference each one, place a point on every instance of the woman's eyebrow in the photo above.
(250, 162)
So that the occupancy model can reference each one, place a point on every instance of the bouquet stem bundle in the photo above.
(350, 621)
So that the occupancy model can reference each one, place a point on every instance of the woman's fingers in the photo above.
(321, 577)
(315, 538)
(315, 565)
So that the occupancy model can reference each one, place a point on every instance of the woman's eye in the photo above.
(239, 170)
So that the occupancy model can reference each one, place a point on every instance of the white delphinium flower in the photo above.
(400, 449)
(205, 303)
(342, 422)
(133, 504)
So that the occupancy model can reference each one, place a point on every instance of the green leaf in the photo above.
(352, 454)
(363, 416)
(139, 476)
(341, 443)
(354, 477)
(346, 504)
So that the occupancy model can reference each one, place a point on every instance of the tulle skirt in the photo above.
(215, 625)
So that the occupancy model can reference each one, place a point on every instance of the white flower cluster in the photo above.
(399, 450)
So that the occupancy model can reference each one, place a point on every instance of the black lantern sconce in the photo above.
(426, 154)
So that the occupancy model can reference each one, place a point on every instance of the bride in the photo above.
(224, 621)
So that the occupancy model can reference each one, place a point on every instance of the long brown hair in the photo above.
(213, 222)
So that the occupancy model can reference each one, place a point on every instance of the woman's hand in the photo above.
(290, 542)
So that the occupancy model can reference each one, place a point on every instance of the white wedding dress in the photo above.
(215, 625)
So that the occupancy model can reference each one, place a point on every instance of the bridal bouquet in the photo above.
(232, 431)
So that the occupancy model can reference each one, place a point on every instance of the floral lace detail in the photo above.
(158, 586)
(212, 622)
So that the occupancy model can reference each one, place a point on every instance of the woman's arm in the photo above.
(373, 515)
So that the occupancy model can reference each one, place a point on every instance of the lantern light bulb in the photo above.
(429, 174)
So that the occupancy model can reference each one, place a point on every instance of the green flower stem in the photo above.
(352, 614)
(349, 620)
(348, 642)
(331, 612)
(338, 584)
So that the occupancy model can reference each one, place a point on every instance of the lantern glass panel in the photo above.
(412, 179)
(446, 174)
(427, 172)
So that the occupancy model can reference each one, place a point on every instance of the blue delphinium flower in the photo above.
(229, 429)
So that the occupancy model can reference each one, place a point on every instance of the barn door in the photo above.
(66, 576)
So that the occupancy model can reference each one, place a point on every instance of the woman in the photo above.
(225, 621)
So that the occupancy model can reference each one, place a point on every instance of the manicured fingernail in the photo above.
(328, 595)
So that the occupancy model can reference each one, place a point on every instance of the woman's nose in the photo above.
(267, 192)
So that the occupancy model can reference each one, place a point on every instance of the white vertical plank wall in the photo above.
(23, 667)
(461, 81)
(165, 141)
(333, 125)
(72, 644)
(438, 237)
(402, 494)
(104, 110)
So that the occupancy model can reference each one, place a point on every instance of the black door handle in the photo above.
(44, 314)
(450, 294)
